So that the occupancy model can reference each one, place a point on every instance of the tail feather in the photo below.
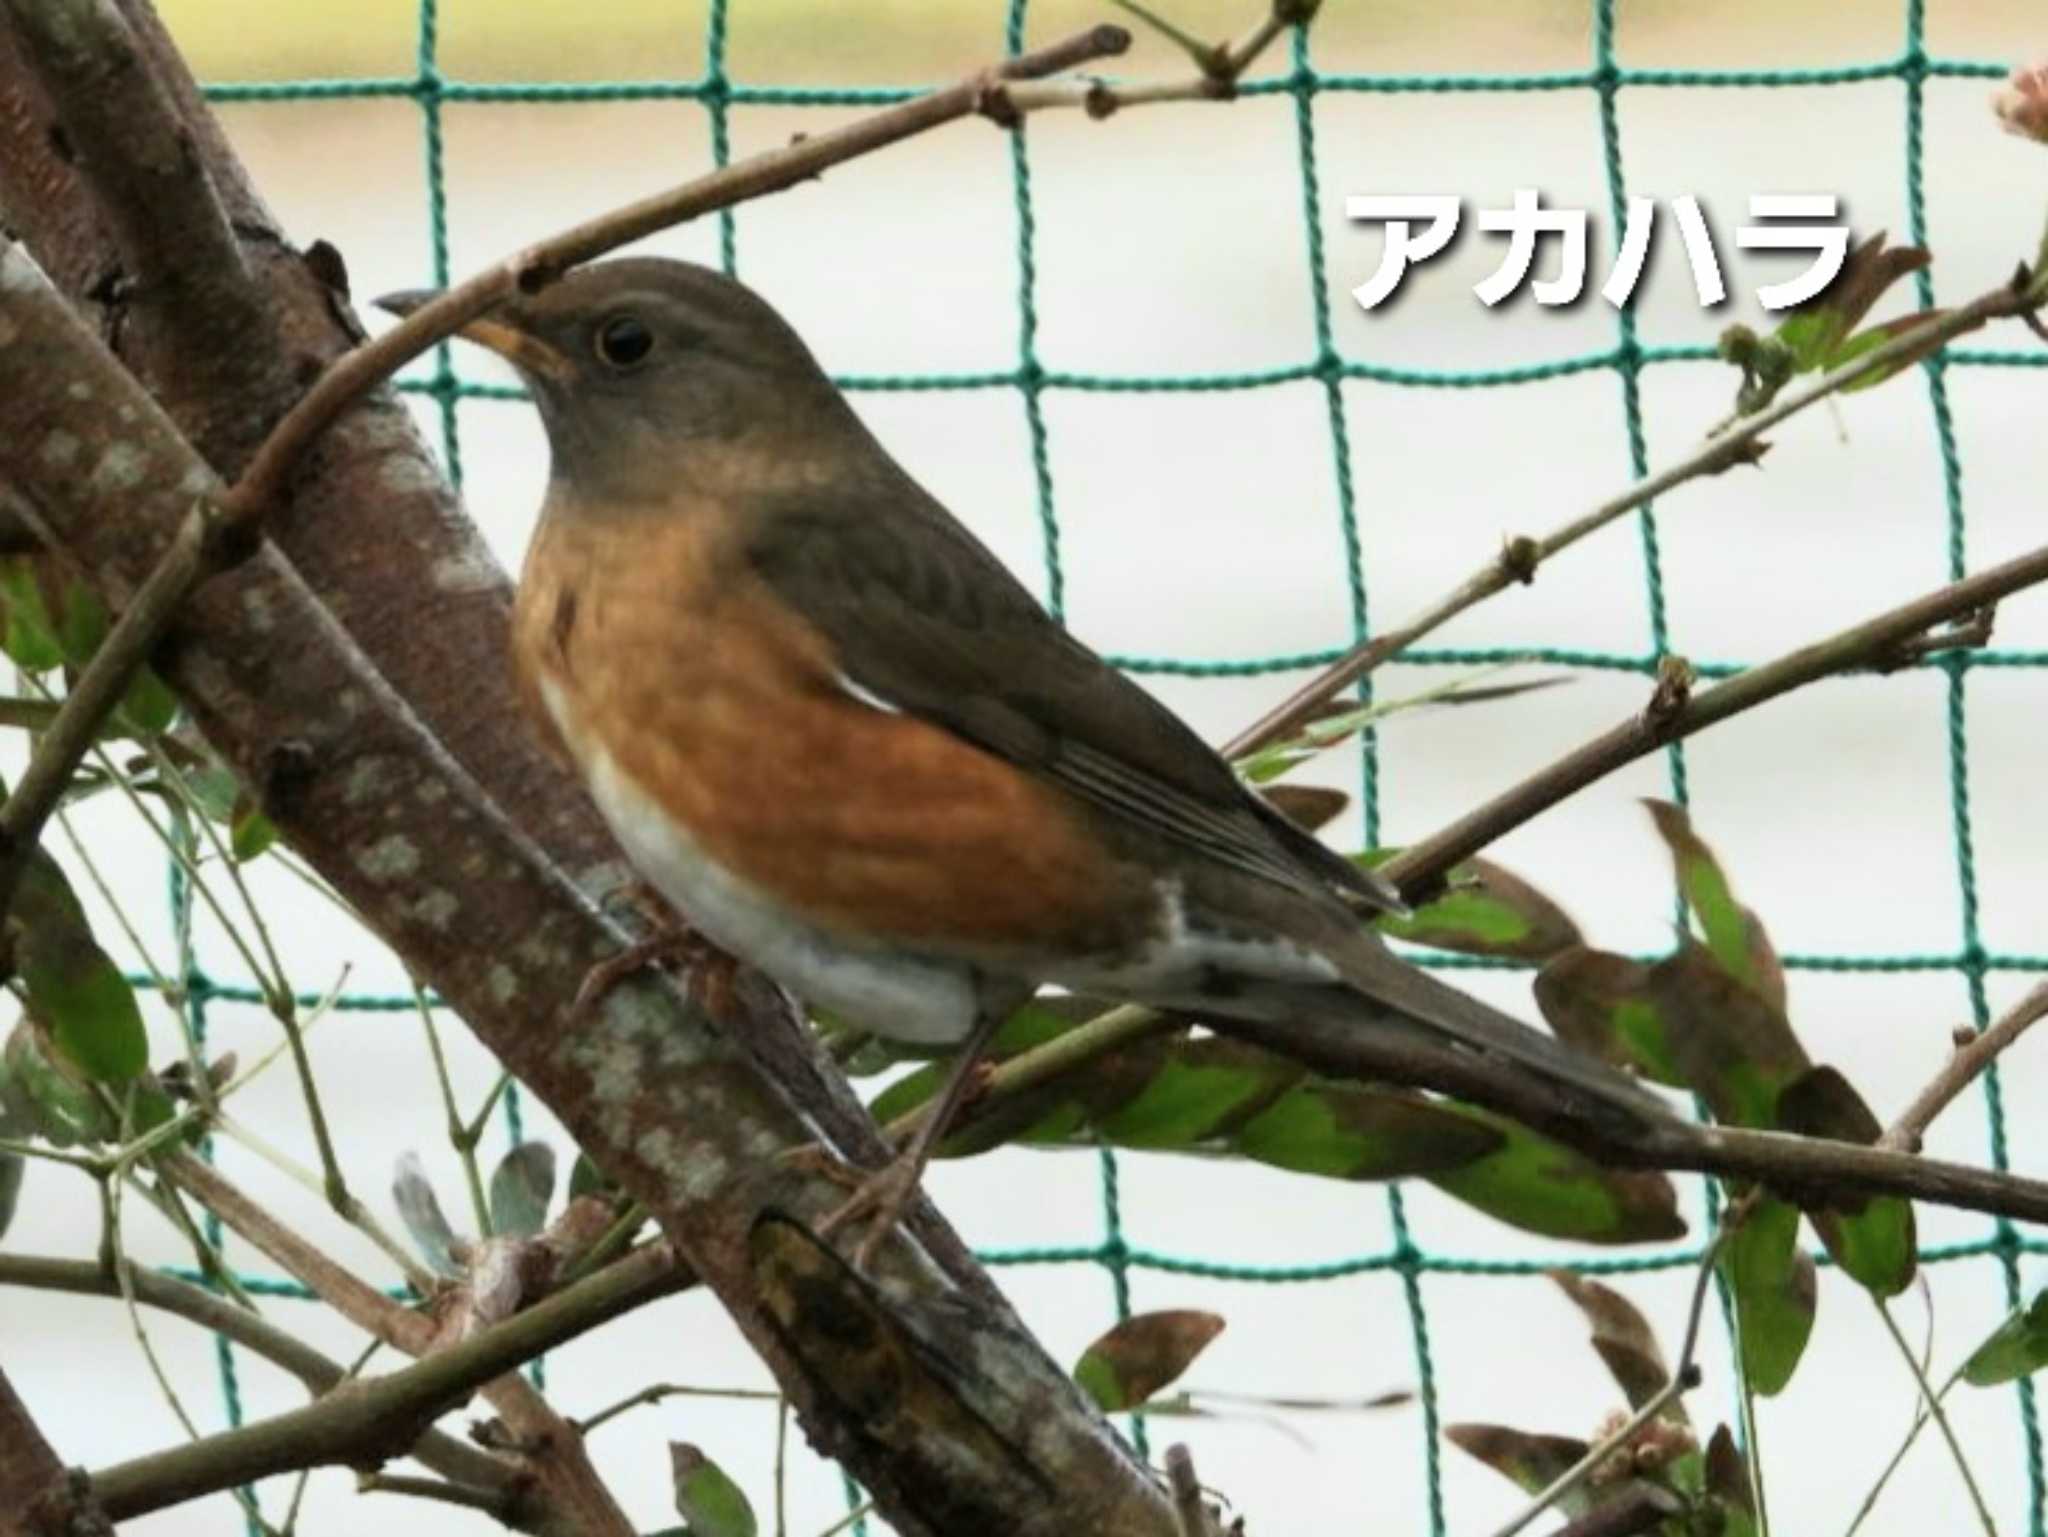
(1380, 991)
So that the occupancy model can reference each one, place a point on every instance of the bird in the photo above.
(846, 745)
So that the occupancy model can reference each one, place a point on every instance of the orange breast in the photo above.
(726, 708)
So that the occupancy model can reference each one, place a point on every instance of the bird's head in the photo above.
(650, 372)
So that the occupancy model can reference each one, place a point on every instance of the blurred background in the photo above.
(1882, 827)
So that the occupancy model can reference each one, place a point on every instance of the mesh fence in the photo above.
(1032, 376)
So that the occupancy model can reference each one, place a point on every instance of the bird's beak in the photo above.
(497, 331)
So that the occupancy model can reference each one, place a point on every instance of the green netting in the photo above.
(1031, 377)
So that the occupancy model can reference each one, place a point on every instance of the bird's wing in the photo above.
(924, 618)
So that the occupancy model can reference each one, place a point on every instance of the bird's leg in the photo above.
(670, 941)
(881, 1196)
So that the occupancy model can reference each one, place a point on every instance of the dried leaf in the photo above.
(1727, 1473)
(1600, 1003)
(1309, 807)
(1141, 1355)
(1624, 1340)
(1733, 1047)
(1532, 1462)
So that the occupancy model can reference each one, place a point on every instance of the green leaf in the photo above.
(72, 984)
(1485, 910)
(30, 638)
(1733, 1047)
(1872, 1238)
(1731, 931)
(1532, 1462)
(1775, 1294)
(12, 1168)
(707, 1499)
(521, 1187)
(2016, 1348)
(1358, 1131)
(48, 1093)
(1623, 1339)
(587, 1179)
(1541, 1186)
(251, 833)
(1600, 1003)
(1143, 1354)
(420, 1209)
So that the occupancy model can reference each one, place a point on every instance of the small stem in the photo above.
(611, 1243)
(656, 1392)
(1920, 1417)
(781, 1466)
(1931, 1401)
(492, 1502)
(859, 1513)
(473, 1133)
(458, 1135)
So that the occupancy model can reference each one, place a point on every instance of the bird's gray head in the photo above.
(649, 373)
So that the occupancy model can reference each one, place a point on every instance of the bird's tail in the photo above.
(1385, 993)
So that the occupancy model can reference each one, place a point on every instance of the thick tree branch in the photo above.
(36, 1494)
(1521, 556)
(1675, 713)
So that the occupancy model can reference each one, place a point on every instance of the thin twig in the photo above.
(1931, 1401)
(1920, 1417)
(492, 1502)
(1974, 1052)
(1420, 864)
(317, 1372)
(656, 1392)
(459, 1135)
(1520, 557)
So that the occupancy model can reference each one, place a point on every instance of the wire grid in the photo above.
(1605, 78)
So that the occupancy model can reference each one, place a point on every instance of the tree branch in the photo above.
(443, 1453)
(558, 1462)
(363, 1421)
(1676, 714)
(1975, 1051)
(36, 1492)
(1521, 556)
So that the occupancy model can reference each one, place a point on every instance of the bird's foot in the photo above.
(879, 1199)
(711, 971)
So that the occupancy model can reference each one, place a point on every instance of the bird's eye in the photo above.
(623, 342)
